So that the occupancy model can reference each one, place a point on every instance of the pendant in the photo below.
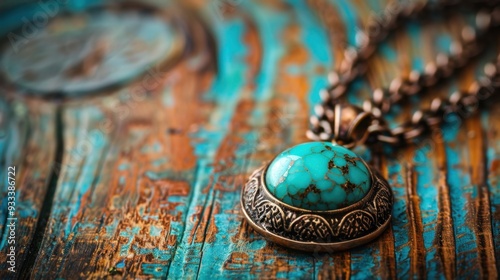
(317, 196)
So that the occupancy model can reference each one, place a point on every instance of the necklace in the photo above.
(321, 196)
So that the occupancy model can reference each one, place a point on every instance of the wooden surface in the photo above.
(122, 184)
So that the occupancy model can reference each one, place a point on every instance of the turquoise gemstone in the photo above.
(318, 176)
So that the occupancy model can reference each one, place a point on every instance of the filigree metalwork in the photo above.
(317, 230)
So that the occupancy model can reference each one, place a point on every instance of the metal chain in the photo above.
(326, 124)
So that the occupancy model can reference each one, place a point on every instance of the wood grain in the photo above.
(146, 184)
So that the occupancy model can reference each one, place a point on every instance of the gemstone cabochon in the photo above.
(318, 176)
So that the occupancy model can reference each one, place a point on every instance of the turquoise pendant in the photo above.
(317, 196)
(318, 176)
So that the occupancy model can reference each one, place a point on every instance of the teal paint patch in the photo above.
(123, 166)
(230, 62)
(303, 264)
(388, 52)
(273, 49)
(376, 7)
(171, 175)
(159, 254)
(426, 186)
(155, 147)
(120, 264)
(365, 261)
(349, 18)
(216, 254)
(168, 97)
(461, 192)
(415, 31)
(81, 166)
(159, 162)
(111, 228)
(493, 155)
(129, 234)
(12, 142)
(219, 254)
(17, 15)
(12, 19)
(91, 159)
(313, 35)
(400, 219)
(154, 231)
(187, 262)
(358, 86)
(13, 137)
(493, 179)
(315, 39)
(153, 270)
(443, 43)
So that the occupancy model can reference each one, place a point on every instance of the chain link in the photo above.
(325, 124)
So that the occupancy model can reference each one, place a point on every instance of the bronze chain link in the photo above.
(348, 125)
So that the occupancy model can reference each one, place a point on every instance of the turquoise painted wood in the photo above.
(139, 176)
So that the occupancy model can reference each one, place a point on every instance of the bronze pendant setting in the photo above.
(314, 230)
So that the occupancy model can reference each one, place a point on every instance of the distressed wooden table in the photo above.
(133, 168)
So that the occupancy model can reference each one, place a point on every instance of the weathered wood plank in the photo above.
(490, 121)
(149, 184)
(25, 126)
(478, 162)
(206, 210)
(115, 187)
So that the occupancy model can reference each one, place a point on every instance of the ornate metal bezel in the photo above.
(318, 231)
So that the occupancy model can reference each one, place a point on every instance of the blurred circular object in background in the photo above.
(73, 54)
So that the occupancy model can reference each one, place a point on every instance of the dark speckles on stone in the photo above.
(331, 164)
(350, 159)
(349, 187)
(344, 169)
(310, 188)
